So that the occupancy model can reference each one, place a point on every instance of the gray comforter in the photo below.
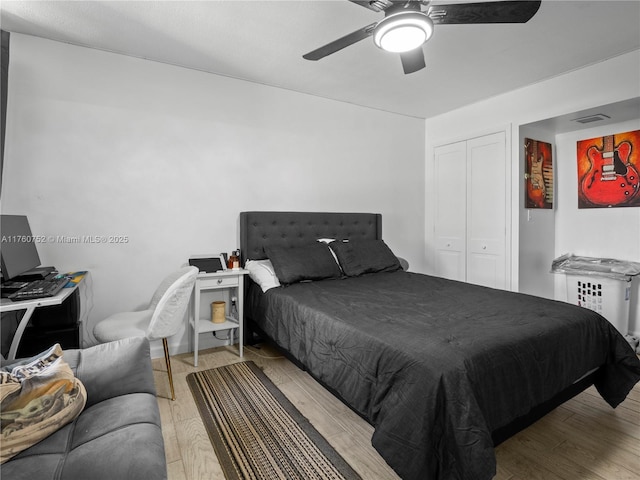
(436, 365)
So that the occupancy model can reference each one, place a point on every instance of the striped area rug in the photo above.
(255, 430)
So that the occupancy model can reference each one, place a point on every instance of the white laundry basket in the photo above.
(607, 296)
(600, 284)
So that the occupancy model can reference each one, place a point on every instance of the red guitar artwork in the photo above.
(539, 175)
(611, 179)
(535, 185)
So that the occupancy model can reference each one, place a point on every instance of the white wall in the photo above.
(575, 91)
(537, 229)
(594, 232)
(103, 144)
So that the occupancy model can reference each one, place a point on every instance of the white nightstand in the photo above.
(228, 279)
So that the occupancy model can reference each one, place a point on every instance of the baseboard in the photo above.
(183, 347)
(157, 351)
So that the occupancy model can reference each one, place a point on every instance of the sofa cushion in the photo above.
(113, 369)
(118, 434)
(36, 399)
(116, 438)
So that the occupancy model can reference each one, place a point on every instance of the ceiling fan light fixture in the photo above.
(403, 31)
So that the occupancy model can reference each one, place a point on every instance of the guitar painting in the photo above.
(538, 174)
(608, 171)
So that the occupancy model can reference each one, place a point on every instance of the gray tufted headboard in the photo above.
(261, 229)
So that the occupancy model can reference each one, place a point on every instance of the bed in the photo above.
(443, 370)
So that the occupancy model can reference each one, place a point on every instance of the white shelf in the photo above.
(230, 280)
(205, 325)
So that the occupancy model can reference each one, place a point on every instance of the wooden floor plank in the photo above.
(175, 470)
(606, 466)
(198, 458)
(362, 458)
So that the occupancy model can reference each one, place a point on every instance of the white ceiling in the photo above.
(263, 42)
(597, 116)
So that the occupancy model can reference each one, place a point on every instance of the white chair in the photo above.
(160, 320)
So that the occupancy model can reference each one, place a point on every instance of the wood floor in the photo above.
(582, 439)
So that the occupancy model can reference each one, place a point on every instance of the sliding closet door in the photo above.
(450, 210)
(487, 211)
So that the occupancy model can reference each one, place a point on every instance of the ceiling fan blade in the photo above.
(375, 5)
(413, 60)
(340, 43)
(518, 11)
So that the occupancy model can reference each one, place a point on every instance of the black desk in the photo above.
(29, 307)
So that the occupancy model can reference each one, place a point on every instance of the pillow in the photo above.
(36, 399)
(296, 264)
(261, 272)
(357, 257)
(333, 254)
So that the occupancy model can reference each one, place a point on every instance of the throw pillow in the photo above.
(261, 272)
(297, 264)
(358, 257)
(36, 399)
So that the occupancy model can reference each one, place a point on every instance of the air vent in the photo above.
(598, 117)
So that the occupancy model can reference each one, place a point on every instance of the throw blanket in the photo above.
(436, 365)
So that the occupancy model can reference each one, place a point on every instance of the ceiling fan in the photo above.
(406, 27)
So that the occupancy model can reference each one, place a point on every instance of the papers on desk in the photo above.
(74, 278)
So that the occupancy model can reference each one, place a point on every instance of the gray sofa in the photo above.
(117, 435)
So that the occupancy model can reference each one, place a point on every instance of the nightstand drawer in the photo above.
(215, 282)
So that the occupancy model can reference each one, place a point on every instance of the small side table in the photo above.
(228, 279)
(29, 306)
